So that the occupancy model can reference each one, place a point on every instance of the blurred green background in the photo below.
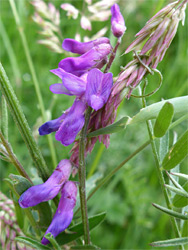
(131, 221)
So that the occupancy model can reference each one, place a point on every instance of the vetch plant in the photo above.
(50, 209)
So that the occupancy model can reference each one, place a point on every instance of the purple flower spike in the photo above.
(81, 48)
(64, 213)
(117, 21)
(48, 190)
(72, 124)
(72, 85)
(98, 88)
(80, 65)
(53, 125)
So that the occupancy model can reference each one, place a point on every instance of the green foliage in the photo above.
(163, 120)
(76, 231)
(31, 242)
(177, 153)
(170, 243)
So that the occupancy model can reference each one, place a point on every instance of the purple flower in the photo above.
(91, 59)
(48, 190)
(72, 124)
(81, 48)
(117, 21)
(64, 213)
(98, 88)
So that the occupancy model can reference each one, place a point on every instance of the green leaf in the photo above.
(77, 230)
(174, 182)
(113, 128)
(163, 120)
(45, 215)
(178, 191)
(177, 153)
(171, 212)
(181, 201)
(30, 242)
(185, 229)
(52, 240)
(151, 112)
(163, 146)
(20, 218)
(21, 184)
(85, 247)
(183, 176)
(171, 242)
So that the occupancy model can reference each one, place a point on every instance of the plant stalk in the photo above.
(82, 177)
(22, 124)
(112, 56)
(13, 158)
(160, 174)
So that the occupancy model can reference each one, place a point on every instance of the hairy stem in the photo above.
(113, 55)
(34, 76)
(13, 158)
(82, 177)
(22, 124)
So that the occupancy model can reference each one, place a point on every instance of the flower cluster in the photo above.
(82, 77)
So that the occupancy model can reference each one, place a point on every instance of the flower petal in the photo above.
(58, 72)
(80, 65)
(58, 88)
(81, 48)
(98, 88)
(72, 124)
(64, 213)
(48, 190)
(53, 125)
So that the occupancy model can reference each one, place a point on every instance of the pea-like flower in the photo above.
(92, 90)
(117, 21)
(94, 58)
(64, 213)
(48, 190)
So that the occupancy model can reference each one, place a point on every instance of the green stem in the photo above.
(35, 80)
(82, 178)
(110, 175)
(11, 55)
(4, 117)
(22, 124)
(13, 158)
(160, 174)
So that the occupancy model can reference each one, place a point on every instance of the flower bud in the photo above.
(117, 21)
